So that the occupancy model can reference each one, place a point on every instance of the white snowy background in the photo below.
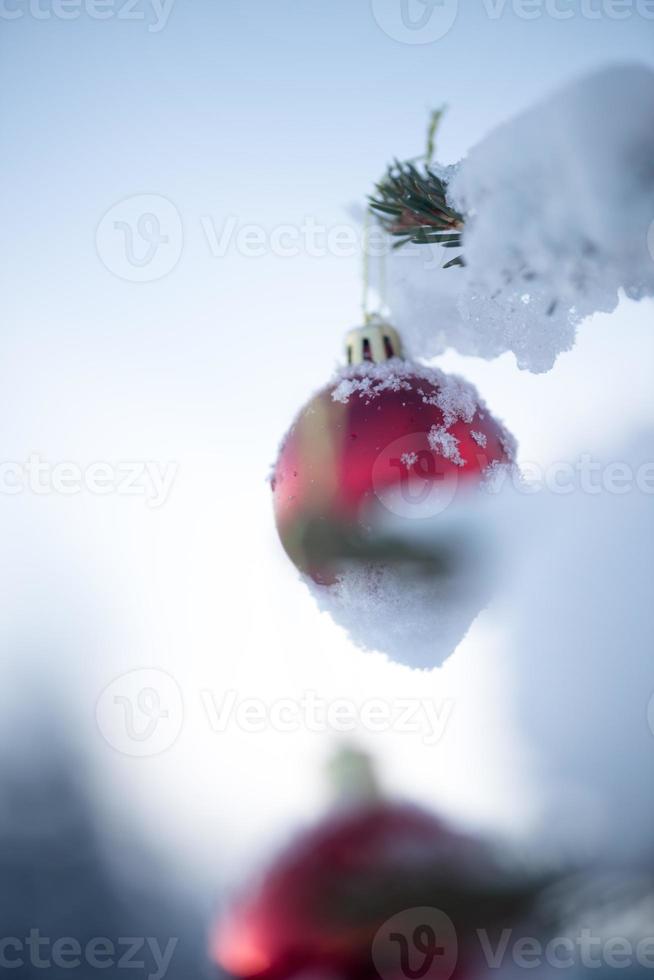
(269, 114)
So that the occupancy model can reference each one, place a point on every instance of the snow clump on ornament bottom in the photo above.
(376, 494)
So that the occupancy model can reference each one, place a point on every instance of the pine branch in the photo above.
(412, 206)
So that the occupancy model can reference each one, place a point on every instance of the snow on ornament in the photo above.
(373, 492)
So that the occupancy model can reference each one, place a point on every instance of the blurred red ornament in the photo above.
(386, 433)
(378, 889)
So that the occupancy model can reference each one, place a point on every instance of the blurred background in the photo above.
(150, 621)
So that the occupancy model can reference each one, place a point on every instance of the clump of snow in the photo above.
(559, 205)
(409, 459)
(370, 379)
(414, 616)
(454, 396)
(509, 444)
(495, 474)
(368, 385)
(443, 442)
(479, 438)
(415, 620)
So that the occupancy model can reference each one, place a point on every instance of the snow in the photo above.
(418, 619)
(414, 620)
(443, 442)
(560, 206)
(578, 653)
(380, 377)
(455, 397)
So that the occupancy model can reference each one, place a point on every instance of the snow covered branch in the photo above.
(559, 222)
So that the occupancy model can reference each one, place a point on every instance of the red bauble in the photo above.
(318, 908)
(376, 890)
(389, 438)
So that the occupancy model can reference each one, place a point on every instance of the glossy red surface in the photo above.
(338, 459)
(319, 906)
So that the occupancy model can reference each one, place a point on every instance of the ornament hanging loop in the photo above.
(366, 266)
(368, 316)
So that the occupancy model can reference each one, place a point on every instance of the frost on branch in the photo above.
(559, 204)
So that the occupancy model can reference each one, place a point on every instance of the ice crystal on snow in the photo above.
(443, 442)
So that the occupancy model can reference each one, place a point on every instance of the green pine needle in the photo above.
(411, 204)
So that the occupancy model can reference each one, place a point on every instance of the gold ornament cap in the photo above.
(352, 777)
(376, 341)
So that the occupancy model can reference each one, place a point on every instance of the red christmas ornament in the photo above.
(379, 889)
(386, 436)
(318, 907)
